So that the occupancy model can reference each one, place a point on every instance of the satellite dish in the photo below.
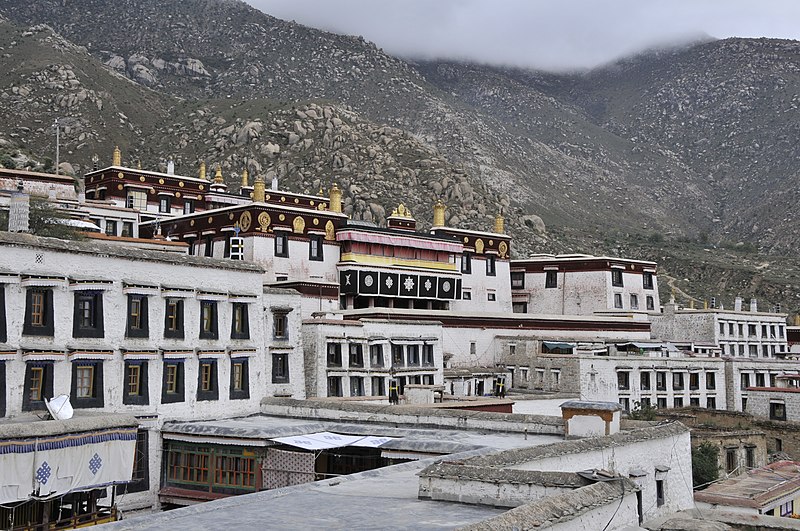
(59, 407)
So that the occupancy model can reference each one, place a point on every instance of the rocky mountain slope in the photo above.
(695, 144)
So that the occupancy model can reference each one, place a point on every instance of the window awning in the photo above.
(645, 346)
(555, 344)
(324, 440)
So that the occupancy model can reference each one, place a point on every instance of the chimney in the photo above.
(95, 162)
(170, 167)
(203, 170)
(335, 199)
(274, 182)
(737, 304)
(259, 191)
(438, 213)
(117, 158)
(753, 305)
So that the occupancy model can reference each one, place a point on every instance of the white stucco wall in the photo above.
(673, 452)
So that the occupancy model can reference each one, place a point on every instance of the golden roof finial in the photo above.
(499, 223)
(335, 199)
(218, 176)
(139, 164)
(203, 170)
(259, 190)
(117, 158)
(245, 178)
(438, 213)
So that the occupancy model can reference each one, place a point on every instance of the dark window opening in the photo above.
(240, 379)
(173, 320)
(135, 389)
(38, 313)
(207, 385)
(427, 355)
(616, 277)
(315, 248)
(551, 279)
(280, 368)
(208, 320)
(334, 386)
(240, 322)
(281, 245)
(517, 279)
(490, 266)
(172, 386)
(87, 384)
(334, 355)
(777, 411)
(38, 385)
(88, 315)
(280, 329)
(466, 263)
(138, 322)
(356, 358)
(376, 355)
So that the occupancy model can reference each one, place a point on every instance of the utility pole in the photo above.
(58, 144)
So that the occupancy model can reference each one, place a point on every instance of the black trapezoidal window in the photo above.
(38, 312)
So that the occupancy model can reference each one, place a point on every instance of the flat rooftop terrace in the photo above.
(385, 498)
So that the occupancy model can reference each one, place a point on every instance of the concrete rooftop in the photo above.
(385, 498)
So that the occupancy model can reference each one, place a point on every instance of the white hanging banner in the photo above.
(50, 466)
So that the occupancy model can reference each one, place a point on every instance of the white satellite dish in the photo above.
(59, 407)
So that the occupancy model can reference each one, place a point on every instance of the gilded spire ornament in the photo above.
(336, 199)
(500, 223)
(259, 190)
(117, 158)
(203, 170)
(245, 178)
(218, 176)
(438, 213)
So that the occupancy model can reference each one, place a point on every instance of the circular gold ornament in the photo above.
(180, 183)
(91, 179)
(177, 194)
(296, 200)
(121, 175)
(503, 248)
(282, 217)
(266, 197)
(201, 187)
(283, 199)
(210, 220)
(311, 202)
(466, 240)
(315, 221)
(119, 187)
(231, 216)
(245, 220)
(141, 178)
(152, 191)
(263, 221)
(161, 181)
(191, 223)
